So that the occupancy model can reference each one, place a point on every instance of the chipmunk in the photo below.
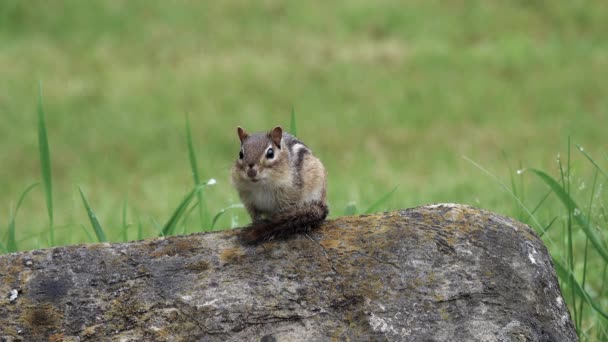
(281, 184)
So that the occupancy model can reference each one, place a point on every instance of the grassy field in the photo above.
(386, 93)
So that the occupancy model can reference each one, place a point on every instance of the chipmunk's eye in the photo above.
(241, 154)
(269, 153)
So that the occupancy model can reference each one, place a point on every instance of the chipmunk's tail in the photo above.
(295, 220)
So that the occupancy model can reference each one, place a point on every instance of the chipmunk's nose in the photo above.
(251, 172)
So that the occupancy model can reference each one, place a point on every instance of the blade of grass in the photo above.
(511, 178)
(3, 248)
(140, 230)
(513, 186)
(11, 243)
(585, 255)
(221, 212)
(169, 227)
(522, 192)
(124, 227)
(186, 215)
(566, 275)
(579, 218)
(157, 226)
(603, 278)
(86, 231)
(582, 302)
(550, 224)
(539, 227)
(45, 164)
(202, 208)
(293, 129)
(372, 208)
(601, 333)
(570, 246)
(597, 167)
(101, 236)
(542, 200)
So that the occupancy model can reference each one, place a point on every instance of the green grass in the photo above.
(577, 263)
(387, 93)
(45, 165)
(202, 206)
(99, 233)
(11, 242)
(579, 248)
(170, 227)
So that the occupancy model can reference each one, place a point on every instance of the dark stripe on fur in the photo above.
(291, 221)
(290, 140)
(299, 164)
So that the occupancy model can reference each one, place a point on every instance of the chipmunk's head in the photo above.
(261, 157)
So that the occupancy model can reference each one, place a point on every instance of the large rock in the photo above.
(435, 273)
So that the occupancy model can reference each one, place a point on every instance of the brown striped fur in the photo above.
(283, 195)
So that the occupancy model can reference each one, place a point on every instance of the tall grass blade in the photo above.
(585, 254)
(101, 236)
(186, 216)
(566, 275)
(221, 212)
(124, 227)
(550, 224)
(570, 246)
(140, 230)
(202, 207)
(539, 227)
(601, 333)
(579, 217)
(513, 185)
(580, 306)
(45, 164)
(374, 207)
(542, 200)
(11, 243)
(157, 226)
(293, 129)
(86, 231)
(522, 192)
(511, 178)
(169, 227)
(603, 278)
(597, 167)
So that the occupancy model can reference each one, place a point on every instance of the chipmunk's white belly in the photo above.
(270, 198)
(266, 200)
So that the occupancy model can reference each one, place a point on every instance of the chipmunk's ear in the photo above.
(242, 134)
(276, 135)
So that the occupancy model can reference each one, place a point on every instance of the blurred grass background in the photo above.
(387, 93)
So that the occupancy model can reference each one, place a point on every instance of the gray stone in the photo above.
(435, 273)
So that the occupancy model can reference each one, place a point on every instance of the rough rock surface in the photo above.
(435, 273)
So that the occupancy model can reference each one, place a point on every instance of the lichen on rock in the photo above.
(436, 273)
